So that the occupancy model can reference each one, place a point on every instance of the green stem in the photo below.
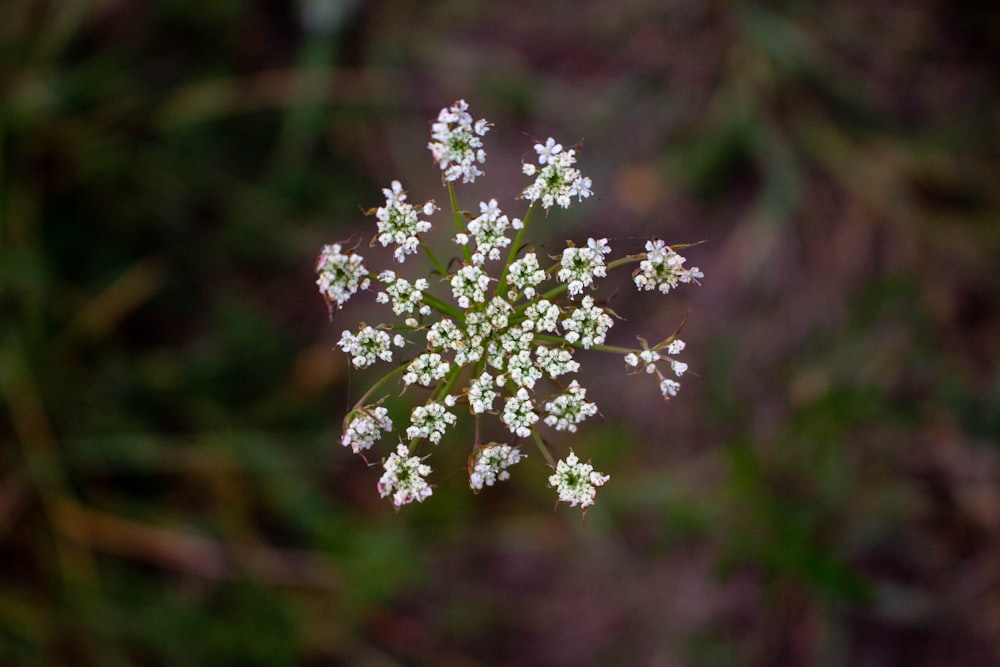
(615, 349)
(454, 312)
(385, 378)
(542, 448)
(438, 266)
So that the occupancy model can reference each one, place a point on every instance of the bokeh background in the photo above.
(824, 491)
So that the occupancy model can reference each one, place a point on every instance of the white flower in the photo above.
(404, 478)
(405, 296)
(469, 285)
(399, 222)
(631, 359)
(368, 345)
(570, 408)
(481, 394)
(429, 421)
(456, 144)
(555, 361)
(522, 370)
(518, 413)
(541, 316)
(679, 367)
(340, 275)
(587, 324)
(426, 369)
(489, 231)
(557, 181)
(663, 269)
(366, 427)
(525, 275)
(489, 463)
(675, 346)
(669, 388)
(581, 265)
(576, 482)
(444, 335)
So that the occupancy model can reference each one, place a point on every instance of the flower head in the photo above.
(581, 265)
(557, 181)
(576, 482)
(456, 143)
(340, 275)
(587, 324)
(399, 222)
(518, 413)
(404, 295)
(469, 285)
(489, 463)
(489, 231)
(663, 269)
(570, 408)
(368, 345)
(365, 427)
(429, 421)
(525, 274)
(403, 478)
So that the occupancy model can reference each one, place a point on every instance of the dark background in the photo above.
(824, 491)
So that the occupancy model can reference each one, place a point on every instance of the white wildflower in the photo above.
(456, 143)
(399, 222)
(403, 478)
(489, 463)
(430, 421)
(669, 388)
(579, 266)
(469, 285)
(365, 427)
(587, 324)
(426, 369)
(481, 394)
(557, 181)
(541, 316)
(663, 269)
(525, 275)
(489, 231)
(404, 295)
(518, 413)
(570, 408)
(576, 482)
(555, 361)
(522, 370)
(340, 275)
(368, 345)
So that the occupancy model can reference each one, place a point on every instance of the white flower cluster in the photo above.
(340, 275)
(369, 345)
(488, 464)
(404, 295)
(576, 482)
(429, 421)
(403, 478)
(663, 269)
(456, 143)
(365, 427)
(512, 335)
(557, 181)
(489, 231)
(399, 222)
(647, 358)
(579, 266)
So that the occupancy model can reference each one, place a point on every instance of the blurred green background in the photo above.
(825, 490)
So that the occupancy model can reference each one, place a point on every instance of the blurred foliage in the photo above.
(826, 491)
